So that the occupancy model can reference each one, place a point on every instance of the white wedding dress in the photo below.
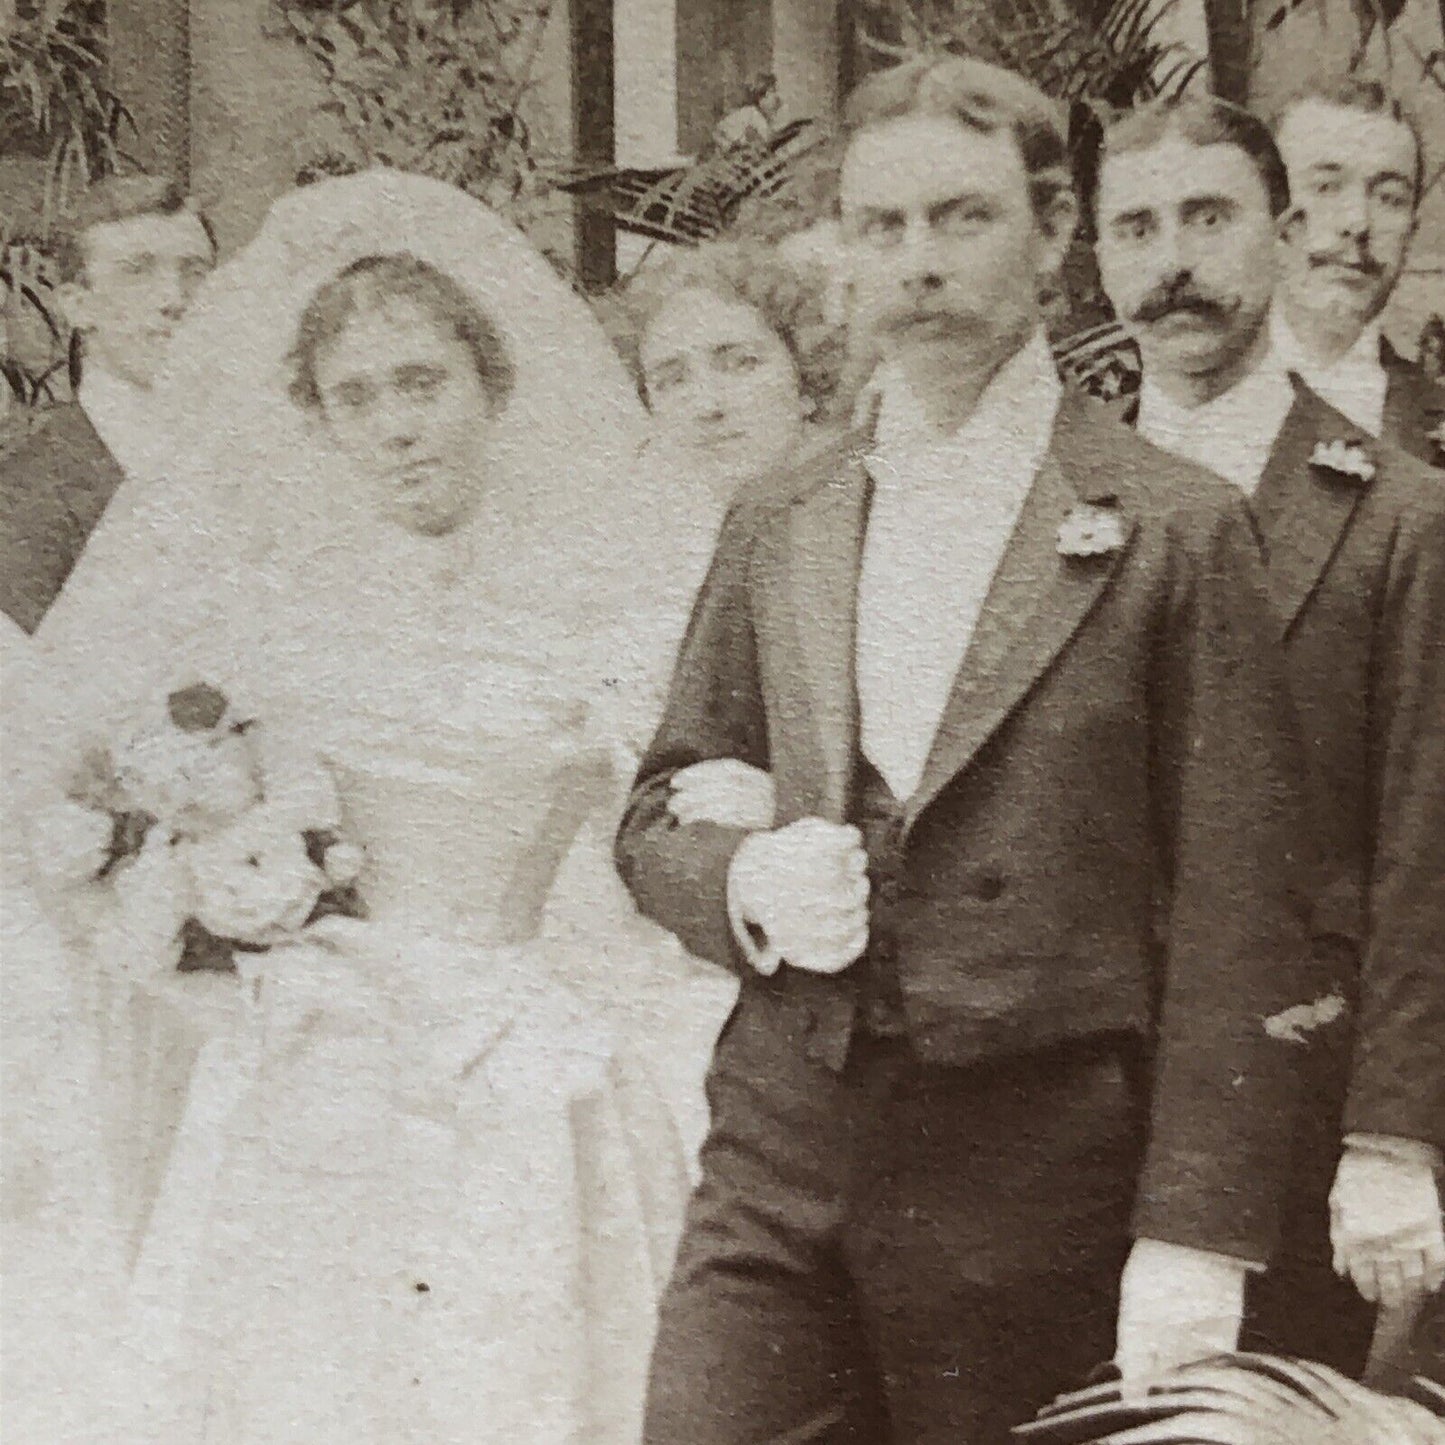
(425, 1181)
(61, 1273)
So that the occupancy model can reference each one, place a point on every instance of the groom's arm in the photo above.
(677, 873)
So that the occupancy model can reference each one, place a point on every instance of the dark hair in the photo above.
(1202, 120)
(369, 285)
(1369, 97)
(114, 199)
(981, 97)
(791, 300)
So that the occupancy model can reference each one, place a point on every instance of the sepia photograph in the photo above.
(722, 722)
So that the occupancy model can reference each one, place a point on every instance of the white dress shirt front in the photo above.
(123, 417)
(1354, 384)
(943, 510)
(1232, 435)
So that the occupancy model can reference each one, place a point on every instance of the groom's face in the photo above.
(403, 399)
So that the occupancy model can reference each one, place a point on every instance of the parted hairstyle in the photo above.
(372, 283)
(789, 298)
(119, 198)
(1201, 120)
(1369, 97)
(980, 97)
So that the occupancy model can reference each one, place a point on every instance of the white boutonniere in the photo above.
(1091, 530)
(1344, 459)
(1438, 437)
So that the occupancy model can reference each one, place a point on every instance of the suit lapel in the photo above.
(820, 595)
(1302, 510)
(1036, 602)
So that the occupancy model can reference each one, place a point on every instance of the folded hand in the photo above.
(1386, 1227)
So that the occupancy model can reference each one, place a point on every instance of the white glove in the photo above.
(723, 790)
(1385, 1221)
(806, 888)
(1176, 1305)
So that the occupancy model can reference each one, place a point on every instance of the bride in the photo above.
(422, 1187)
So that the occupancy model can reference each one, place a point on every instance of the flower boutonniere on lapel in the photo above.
(1437, 438)
(1092, 529)
(1350, 459)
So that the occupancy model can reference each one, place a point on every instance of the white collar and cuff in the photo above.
(944, 508)
(122, 415)
(1354, 384)
(1232, 435)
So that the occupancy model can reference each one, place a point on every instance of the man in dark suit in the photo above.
(1005, 1092)
(129, 262)
(1188, 205)
(1356, 172)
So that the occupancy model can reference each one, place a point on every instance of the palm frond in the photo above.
(1243, 1400)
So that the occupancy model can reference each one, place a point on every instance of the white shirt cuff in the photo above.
(1406, 1151)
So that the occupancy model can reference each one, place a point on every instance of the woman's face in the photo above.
(721, 384)
(403, 400)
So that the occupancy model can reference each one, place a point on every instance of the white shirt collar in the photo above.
(1232, 435)
(1002, 442)
(1354, 383)
(121, 414)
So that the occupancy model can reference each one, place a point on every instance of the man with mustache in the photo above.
(1356, 168)
(998, 1099)
(1188, 208)
(130, 259)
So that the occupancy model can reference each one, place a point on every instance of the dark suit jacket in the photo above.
(1357, 581)
(1414, 408)
(53, 489)
(1107, 833)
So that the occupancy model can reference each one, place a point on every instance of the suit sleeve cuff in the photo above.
(1212, 1262)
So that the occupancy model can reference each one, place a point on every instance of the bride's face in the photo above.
(402, 398)
(721, 384)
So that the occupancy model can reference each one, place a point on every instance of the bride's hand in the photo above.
(725, 791)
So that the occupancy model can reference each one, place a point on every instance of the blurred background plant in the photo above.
(434, 86)
(55, 95)
(57, 105)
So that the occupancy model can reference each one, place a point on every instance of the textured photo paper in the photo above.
(722, 722)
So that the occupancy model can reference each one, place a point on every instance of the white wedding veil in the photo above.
(252, 481)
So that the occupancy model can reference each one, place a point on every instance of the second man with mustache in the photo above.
(1189, 205)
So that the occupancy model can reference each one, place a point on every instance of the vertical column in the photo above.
(644, 36)
(806, 57)
(722, 45)
(150, 60)
(593, 131)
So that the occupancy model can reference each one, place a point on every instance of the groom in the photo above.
(1001, 1096)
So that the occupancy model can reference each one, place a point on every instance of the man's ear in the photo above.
(1290, 223)
(1058, 223)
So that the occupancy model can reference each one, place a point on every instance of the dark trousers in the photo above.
(897, 1253)
(1301, 1309)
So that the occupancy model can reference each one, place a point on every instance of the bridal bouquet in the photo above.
(194, 837)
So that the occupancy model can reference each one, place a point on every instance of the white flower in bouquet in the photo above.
(255, 883)
(151, 899)
(296, 782)
(70, 842)
(195, 770)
